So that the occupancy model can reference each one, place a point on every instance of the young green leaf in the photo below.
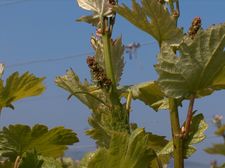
(15, 140)
(199, 67)
(18, 87)
(105, 121)
(99, 8)
(102, 7)
(125, 151)
(71, 83)
(152, 18)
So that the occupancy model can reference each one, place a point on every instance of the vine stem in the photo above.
(176, 133)
(17, 162)
(106, 40)
(107, 58)
(189, 115)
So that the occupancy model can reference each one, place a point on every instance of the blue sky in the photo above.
(46, 29)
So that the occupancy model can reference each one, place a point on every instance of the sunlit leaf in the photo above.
(18, 87)
(125, 151)
(15, 140)
(99, 8)
(216, 149)
(199, 67)
(71, 83)
(89, 5)
(152, 18)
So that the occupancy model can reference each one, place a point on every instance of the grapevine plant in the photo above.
(190, 65)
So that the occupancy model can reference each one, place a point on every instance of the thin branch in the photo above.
(128, 103)
(178, 7)
(17, 162)
(189, 115)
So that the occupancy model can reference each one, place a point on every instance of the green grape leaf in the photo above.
(71, 83)
(117, 50)
(157, 143)
(15, 140)
(125, 151)
(160, 161)
(216, 149)
(197, 129)
(100, 122)
(18, 87)
(151, 94)
(152, 18)
(199, 67)
(30, 159)
(104, 121)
